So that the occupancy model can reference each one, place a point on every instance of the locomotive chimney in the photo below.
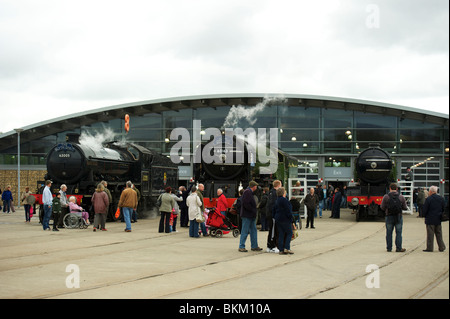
(73, 138)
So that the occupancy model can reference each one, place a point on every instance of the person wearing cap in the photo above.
(248, 214)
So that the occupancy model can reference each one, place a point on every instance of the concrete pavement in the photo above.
(339, 259)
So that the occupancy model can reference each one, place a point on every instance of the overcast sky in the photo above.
(59, 57)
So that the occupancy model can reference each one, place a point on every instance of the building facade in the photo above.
(324, 133)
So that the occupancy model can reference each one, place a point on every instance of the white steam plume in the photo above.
(96, 141)
(250, 114)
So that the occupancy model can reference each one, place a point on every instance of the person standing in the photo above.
(47, 200)
(175, 210)
(167, 204)
(248, 214)
(421, 201)
(262, 209)
(336, 204)
(194, 204)
(26, 203)
(311, 201)
(320, 195)
(272, 236)
(7, 199)
(128, 202)
(200, 190)
(432, 211)
(409, 175)
(64, 205)
(393, 204)
(282, 213)
(324, 200)
(110, 199)
(100, 201)
(184, 210)
(56, 210)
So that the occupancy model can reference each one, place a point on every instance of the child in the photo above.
(56, 209)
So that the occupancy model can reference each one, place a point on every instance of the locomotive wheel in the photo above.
(219, 233)
(236, 232)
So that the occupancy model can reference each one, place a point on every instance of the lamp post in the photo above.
(18, 131)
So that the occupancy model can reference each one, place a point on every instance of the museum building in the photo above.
(324, 133)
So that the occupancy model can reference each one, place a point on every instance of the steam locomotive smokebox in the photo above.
(374, 165)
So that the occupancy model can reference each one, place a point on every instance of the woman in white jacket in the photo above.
(194, 203)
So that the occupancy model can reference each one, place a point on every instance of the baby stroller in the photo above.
(220, 225)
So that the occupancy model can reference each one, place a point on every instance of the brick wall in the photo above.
(28, 178)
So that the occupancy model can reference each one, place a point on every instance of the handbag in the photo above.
(117, 214)
(199, 217)
(294, 232)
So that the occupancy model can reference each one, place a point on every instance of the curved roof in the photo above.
(73, 121)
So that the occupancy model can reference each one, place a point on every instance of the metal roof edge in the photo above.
(232, 95)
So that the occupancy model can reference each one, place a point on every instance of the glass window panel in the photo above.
(418, 125)
(300, 135)
(298, 117)
(419, 147)
(298, 148)
(375, 135)
(337, 135)
(145, 121)
(145, 135)
(173, 119)
(374, 121)
(211, 117)
(333, 118)
(337, 147)
(44, 144)
(418, 134)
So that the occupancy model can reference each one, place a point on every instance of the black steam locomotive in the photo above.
(374, 171)
(82, 167)
(231, 174)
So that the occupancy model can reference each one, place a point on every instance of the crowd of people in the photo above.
(271, 208)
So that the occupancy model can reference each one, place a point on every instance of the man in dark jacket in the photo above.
(432, 211)
(311, 201)
(248, 214)
(282, 213)
(272, 237)
(393, 219)
(262, 208)
(336, 204)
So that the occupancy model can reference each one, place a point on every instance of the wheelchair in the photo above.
(74, 220)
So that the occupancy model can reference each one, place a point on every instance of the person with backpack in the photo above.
(393, 205)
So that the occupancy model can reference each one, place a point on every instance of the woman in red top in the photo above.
(222, 204)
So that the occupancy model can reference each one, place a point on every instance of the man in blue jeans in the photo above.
(393, 204)
(128, 201)
(248, 214)
(47, 200)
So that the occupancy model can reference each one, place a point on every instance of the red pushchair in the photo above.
(220, 225)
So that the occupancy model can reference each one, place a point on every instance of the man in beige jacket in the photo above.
(128, 201)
